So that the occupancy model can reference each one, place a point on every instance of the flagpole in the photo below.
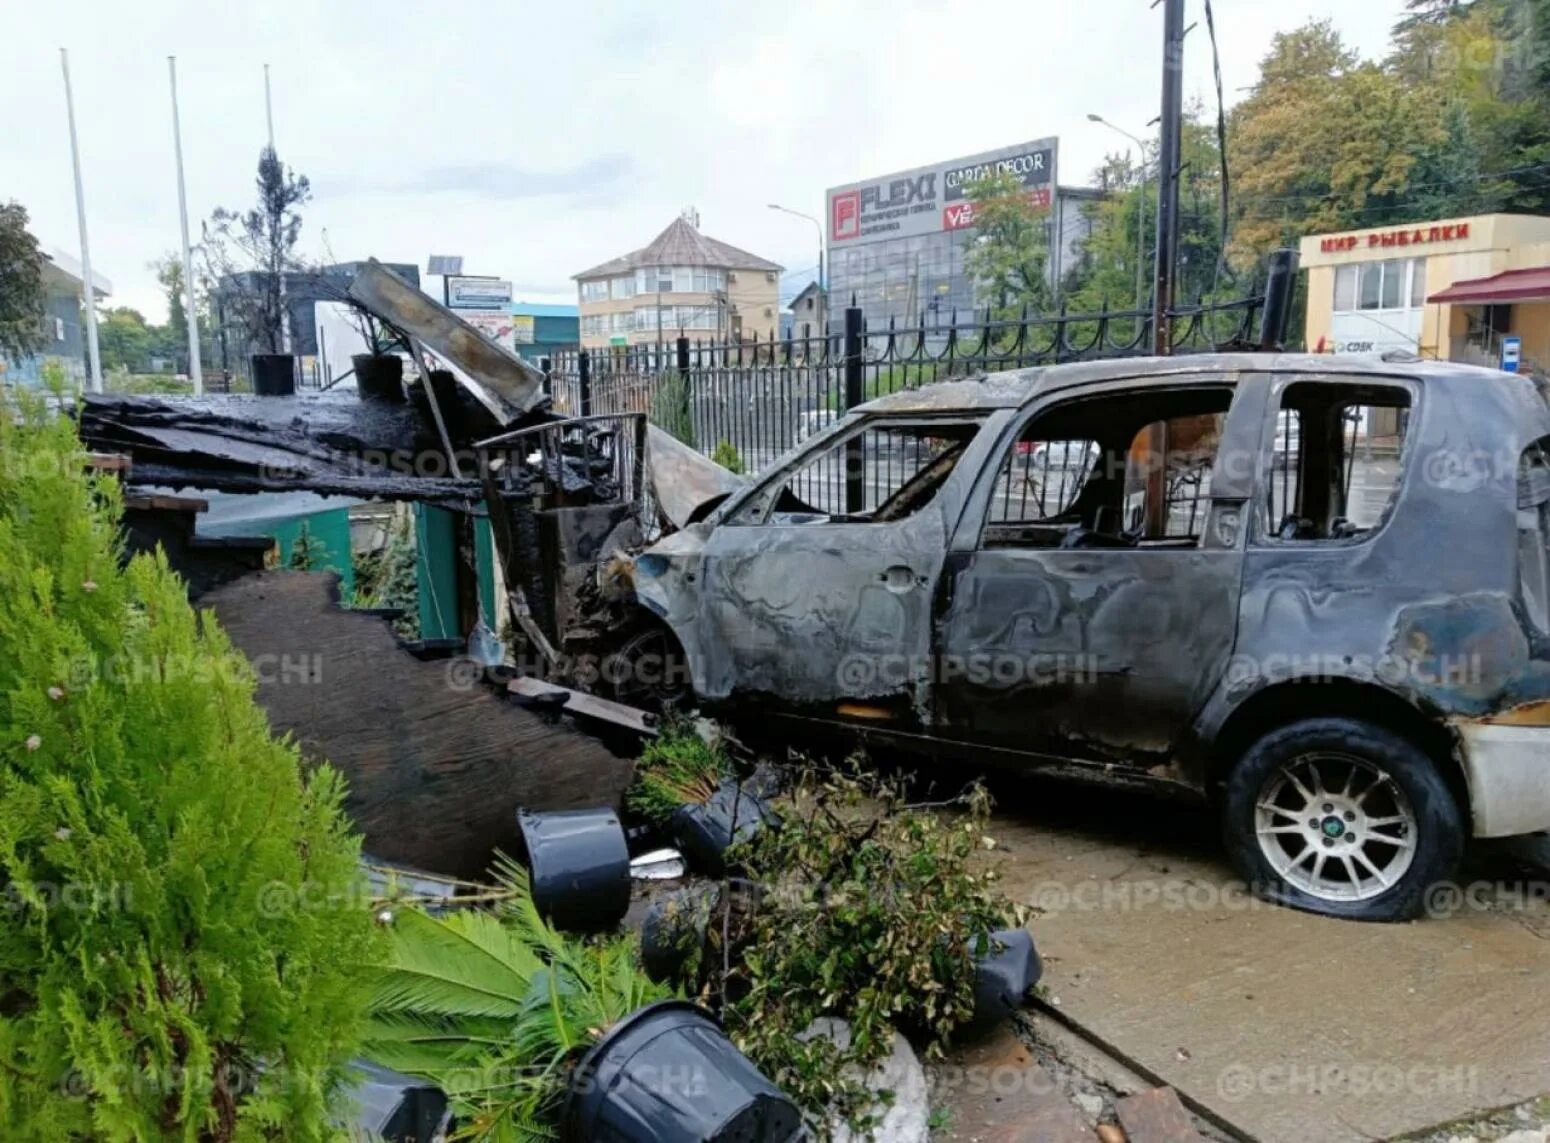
(94, 355)
(194, 371)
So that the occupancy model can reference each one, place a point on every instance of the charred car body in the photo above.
(1314, 591)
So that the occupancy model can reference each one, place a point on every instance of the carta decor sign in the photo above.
(928, 200)
(1406, 236)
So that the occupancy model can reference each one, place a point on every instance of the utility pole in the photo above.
(268, 108)
(285, 312)
(823, 285)
(1168, 160)
(93, 354)
(195, 373)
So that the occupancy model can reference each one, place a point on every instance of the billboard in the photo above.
(478, 294)
(522, 328)
(495, 325)
(929, 200)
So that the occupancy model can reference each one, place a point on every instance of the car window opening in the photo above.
(1122, 472)
(1333, 472)
(886, 472)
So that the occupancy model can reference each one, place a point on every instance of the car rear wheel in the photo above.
(1342, 817)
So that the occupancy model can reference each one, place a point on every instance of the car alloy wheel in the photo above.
(1335, 826)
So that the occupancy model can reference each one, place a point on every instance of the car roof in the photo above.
(1017, 387)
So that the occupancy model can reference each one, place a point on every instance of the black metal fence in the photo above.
(762, 397)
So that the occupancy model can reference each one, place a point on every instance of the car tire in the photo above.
(1303, 790)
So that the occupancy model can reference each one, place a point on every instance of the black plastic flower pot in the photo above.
(274, 374)
(666, 1073)
(674, 929)
(379, 376)
(580, 867)
(1004, 975)
(705, 831)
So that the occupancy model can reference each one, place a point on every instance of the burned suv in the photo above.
(1312, 590)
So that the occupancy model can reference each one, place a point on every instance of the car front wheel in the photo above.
(1342, 817)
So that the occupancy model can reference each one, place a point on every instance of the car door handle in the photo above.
(900, 578)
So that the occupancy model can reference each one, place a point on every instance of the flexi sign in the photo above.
(928, 200)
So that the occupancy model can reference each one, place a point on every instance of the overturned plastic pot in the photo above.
(667, 1073)
(580, 867)
(1004, 975)
(397, 1108)
(379, 376)
(705, 831)
(674, 930)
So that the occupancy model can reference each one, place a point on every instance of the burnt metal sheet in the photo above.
(503, 382)
(684, 480)
(333, 444)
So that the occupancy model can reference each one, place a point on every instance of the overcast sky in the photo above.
(539, 139)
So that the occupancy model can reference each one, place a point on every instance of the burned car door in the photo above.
(816, 589)
(1089, 603)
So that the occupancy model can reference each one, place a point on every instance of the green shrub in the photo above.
(869, 910)
(670, 407)
(497, 1008)
(727, 456)
(308, 553)
(676, 768)
(178, 951)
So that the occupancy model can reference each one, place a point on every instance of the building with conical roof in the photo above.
(680, 283)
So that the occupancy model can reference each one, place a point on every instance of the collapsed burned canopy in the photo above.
(333, 444)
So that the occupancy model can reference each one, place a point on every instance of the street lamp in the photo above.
(1093, 117)
(823, 286)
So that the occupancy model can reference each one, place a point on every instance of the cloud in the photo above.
(599, 179)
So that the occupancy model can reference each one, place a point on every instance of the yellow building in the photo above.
(1450, 289)
(683, 282)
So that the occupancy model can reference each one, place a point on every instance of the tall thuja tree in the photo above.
(182, 926)
(251, 251)
(21, 284)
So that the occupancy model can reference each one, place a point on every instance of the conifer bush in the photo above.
(180, 918)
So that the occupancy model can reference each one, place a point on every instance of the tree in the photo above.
(1008, 257)
(124, 339)
(21, 284)
(179, 958)
(251, 251)
(169, 272)
(1324, 142)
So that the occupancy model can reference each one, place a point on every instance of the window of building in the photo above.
(595, 291)
(1396, 283)
(1345, 288)
(623, 287)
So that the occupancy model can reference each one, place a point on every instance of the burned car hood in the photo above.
(686, 483)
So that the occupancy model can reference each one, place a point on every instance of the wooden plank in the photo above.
(1156, 1116)
(108, 462)
(579, 702)
(437, 760)
(167, 503)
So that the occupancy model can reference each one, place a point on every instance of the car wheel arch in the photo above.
(1280, 703)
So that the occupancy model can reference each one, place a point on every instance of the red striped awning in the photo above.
(1508, 286)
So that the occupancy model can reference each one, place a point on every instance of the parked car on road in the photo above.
(1352, 663)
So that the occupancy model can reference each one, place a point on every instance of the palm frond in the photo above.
(519, 911)
(459, 964)
(430, 1047)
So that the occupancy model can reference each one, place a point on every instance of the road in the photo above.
(1288, 1026)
